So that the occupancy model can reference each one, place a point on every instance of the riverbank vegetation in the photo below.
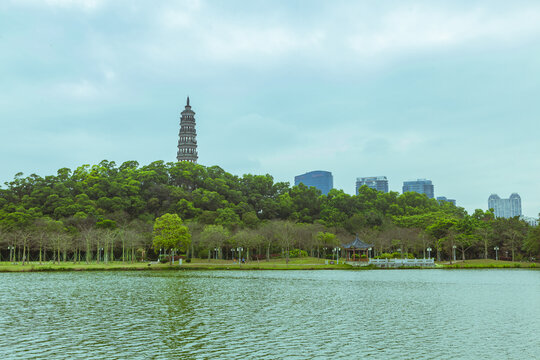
(308, 263)
(105, 213)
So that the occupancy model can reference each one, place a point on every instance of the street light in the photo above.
(369, 252)
(232, 254)
(98, 255)
(454, 251)
(215, 253)
(496, 248)
(429, 252)
(336, 250)
(240, 249)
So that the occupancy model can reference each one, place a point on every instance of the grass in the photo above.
(306, 263)
(490, 264)
(195, 264)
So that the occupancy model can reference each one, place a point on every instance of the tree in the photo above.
(532, 242)
(440, 230)
(170, 233)
(213, 237)
(286, 232)
(325, 240)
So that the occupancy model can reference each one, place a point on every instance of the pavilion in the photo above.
(356, 247)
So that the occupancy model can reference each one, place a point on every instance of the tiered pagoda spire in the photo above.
(187, 141)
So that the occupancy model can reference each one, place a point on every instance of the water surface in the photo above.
(420, 314)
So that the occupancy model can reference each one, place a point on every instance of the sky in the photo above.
(443, 90)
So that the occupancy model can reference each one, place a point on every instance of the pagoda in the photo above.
(187, 138)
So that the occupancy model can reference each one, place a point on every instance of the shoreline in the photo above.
(71, 267)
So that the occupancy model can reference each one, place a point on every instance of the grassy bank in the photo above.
(196, 264)
(490, 264)
(307, 263)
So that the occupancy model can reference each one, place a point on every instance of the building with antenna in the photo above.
(187, 138)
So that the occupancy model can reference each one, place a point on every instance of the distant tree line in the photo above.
(107, 212)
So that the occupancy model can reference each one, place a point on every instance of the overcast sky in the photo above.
(445, 90)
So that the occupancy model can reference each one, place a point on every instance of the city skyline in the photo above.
(411, 89)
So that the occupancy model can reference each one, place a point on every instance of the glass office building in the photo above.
(322, 180)
(421, 186)
(444, 198)
(379, 183)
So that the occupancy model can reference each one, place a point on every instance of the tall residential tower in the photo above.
(187, 141)
(505, 208)
(379, 183)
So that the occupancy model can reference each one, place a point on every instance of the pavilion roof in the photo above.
(357, 244)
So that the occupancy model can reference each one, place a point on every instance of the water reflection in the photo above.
(271, 314)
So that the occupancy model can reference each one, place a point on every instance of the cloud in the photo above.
(85, 5)
(432, 28)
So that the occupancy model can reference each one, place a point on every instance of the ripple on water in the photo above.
(271, 314)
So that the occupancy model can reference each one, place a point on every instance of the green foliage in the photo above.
(109, 197)
(294, 253)
(170, 233)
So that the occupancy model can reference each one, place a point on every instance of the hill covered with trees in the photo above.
(105, 212)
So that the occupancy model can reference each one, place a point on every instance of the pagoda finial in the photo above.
(187, 101)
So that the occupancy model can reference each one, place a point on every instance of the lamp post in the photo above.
(369, 253)
(101, 258)
(454, 251)
(336, 250)
(240, 249)
(429, 252)
(496, 248)
(232, 254)
(10, 248)
(215, 253)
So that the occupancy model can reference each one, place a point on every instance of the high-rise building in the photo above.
(505, 208)
(379, 183)
(443, 198)
(421, 186)
(322, 180)
(187, 138)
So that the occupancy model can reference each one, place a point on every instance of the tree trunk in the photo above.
(87, 250)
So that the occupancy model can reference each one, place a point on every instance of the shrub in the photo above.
(203, 253)
(294, 253)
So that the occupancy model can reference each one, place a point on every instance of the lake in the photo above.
(379, 314)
